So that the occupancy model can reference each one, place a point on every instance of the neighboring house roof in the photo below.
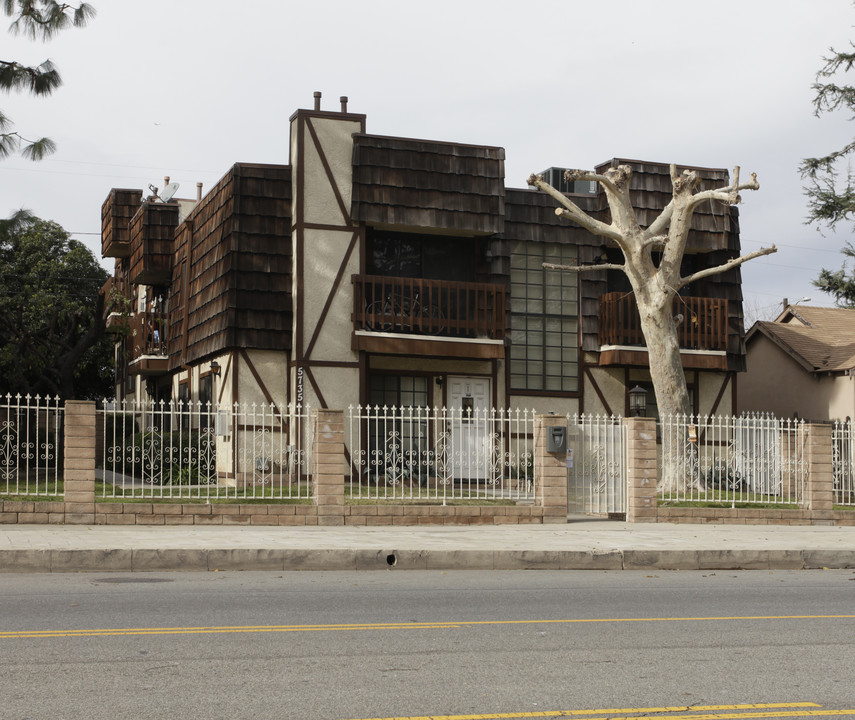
(819, 339)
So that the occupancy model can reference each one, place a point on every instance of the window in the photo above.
(544, 353)
(436, 257)
(398, 391)
(206, 395)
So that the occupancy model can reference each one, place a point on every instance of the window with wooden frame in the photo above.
(544, 354)
(206, 396)
(398, 390)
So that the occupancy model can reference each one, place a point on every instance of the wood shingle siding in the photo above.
(231, 286)
(116, 213)
(423, 184)
(650, 190)
(152, 230)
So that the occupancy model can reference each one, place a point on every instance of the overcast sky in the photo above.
(189, 87)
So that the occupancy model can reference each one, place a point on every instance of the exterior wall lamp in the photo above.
(637, 402)
(215, 368)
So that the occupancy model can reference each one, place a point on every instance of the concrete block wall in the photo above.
(550, 471)
(641, 470)
(79, 462)
(328, 466)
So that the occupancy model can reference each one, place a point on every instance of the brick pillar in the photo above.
(819, 490)
(640, 442)
(79, 462)
(328, 464)
(551, 471)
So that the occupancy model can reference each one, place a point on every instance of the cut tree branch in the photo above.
(660, 224)
(718, 269)
(729, 194)
(654, 240)
(606, 182)
(584, 268)
(574, 212)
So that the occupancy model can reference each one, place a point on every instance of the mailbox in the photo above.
(556, 439)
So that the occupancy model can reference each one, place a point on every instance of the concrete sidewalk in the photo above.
(580, 545)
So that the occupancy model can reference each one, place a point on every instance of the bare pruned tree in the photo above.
(652, 257)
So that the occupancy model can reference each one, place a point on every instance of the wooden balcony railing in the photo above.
(428, 307)
(703, 325)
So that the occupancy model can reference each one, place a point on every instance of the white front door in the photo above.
(471, 450)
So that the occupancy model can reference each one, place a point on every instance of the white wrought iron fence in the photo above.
(31, 442)
(843, 462)
(190, 450)
(411, 453)
(756, 459)
(595, 464)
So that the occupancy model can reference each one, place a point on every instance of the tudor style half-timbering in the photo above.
(393, 271)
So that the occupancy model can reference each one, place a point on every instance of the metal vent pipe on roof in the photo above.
(343, 100)
(317, 95)
(198, 191)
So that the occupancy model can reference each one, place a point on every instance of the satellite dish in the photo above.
(169, 192)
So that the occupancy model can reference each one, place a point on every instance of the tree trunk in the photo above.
(660, 329)
(663, 351)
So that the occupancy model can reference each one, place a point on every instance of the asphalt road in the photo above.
(381, 645)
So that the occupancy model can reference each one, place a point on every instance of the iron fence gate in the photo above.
(596, 471)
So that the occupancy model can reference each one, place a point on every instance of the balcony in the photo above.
(702, 332)
(151, 243)
(116, 213)
(146, 344)
(415, 316)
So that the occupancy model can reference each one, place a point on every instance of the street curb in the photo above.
(278, 559)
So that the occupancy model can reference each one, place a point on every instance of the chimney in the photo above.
(343, 100)
(317, 95)
(198, 191)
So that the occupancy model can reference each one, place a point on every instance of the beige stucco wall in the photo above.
(340, 387)
(776, 383)
(543, 405)
(611, 384)
(272, 368)
(318, 254)
(709, 387)
(320, 204)
(841, 403)
(324, 252)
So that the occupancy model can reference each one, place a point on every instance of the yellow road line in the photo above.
(593, 714)
(784, 710)
(18, 634)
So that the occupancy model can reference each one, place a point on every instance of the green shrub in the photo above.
(185, 457)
